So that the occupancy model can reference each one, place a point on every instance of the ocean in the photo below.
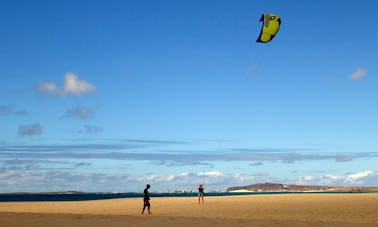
(14, 197)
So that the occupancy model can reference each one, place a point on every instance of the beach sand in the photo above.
(256, 210)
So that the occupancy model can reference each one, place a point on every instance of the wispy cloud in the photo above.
(65, 149)
(131, 151)
(95, 146)
(81, 164)
(188, 163)
(89, 129)
(153, 142)
(48, 88)
(11, 180)
(364, 178)
(251, 69)
(256, 164)
(270, 150)
(72, 85)
(357, 178)
(344, 158)
(62, 180)
(32, 164)
(358, 74)
(20, 112)
(210, 174)
(79, 112)
(6, 110)
(30, 129)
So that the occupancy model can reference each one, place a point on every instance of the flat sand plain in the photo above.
(252, 210)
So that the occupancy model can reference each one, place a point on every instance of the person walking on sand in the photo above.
(201, 190)
(146, 200)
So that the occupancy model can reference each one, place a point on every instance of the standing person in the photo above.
(146, 199)
(201, 190)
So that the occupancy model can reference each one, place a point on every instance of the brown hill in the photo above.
(273, 187)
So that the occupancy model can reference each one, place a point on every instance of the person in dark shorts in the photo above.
(146, 199)
(201, 190)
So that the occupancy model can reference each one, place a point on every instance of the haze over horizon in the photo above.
(112, 95)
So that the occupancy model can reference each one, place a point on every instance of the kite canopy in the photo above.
(271, 25)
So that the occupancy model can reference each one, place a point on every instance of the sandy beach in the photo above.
(256, 210)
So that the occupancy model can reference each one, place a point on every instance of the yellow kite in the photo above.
(271, 25)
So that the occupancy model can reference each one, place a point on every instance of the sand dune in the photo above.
(256, 210)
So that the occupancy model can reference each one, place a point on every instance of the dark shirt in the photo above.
(146, 196)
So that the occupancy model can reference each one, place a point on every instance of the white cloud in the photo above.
(332, 177)
(357, 177)
(50, 180)
(308, 178)
(364, 178)
(210, 174)
(358, 74)
(58, 180)
(72, 85)
(243, 178)
(156, 178)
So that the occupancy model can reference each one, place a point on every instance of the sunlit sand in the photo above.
(256, 210)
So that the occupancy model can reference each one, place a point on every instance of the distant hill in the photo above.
(273, 187)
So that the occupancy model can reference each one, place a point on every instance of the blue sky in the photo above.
(111, 95)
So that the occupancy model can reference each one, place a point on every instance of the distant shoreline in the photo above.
(254, 189)
(83, 196)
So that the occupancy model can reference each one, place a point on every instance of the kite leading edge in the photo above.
(271, 25)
